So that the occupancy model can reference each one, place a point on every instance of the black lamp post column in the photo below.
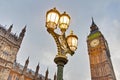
(60, 61)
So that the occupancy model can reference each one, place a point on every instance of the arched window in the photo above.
(10, 77)
(6, 50)
(17, 78)
(15, 50)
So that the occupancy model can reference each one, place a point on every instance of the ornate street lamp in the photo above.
(64, 22)
(52, 18)
(65, 45)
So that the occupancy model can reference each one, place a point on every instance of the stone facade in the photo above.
(9, 68)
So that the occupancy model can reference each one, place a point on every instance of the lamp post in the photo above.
(65, 44)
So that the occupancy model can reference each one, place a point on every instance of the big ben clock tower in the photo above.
(99, 55)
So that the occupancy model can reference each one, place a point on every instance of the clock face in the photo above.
(94, 43)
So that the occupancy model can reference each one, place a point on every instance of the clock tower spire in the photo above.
(99, 55)
(93, 27)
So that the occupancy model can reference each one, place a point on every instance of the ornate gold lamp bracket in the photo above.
(61, 43)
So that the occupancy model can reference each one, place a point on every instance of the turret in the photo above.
(10, 28)
(46, 75)
(22, 34)
(36, 72)
(25, 66)
(55, 77)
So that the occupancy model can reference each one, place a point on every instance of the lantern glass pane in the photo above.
(72, 42)
(52, 19)
(64, 21)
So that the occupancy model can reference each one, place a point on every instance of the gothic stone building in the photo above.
(9, 68)
(99, 55)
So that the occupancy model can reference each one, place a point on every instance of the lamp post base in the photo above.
(60, 60)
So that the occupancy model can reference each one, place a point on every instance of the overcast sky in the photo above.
(41, 47)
